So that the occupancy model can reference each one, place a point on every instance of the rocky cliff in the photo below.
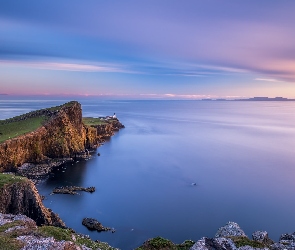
(20, 196)
(63, 134)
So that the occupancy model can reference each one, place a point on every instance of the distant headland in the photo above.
(255, 99)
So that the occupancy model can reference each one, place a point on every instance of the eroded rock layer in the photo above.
(62, 135)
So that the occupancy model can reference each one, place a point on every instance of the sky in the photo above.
(193, 49)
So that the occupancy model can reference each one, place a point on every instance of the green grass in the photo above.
(17, 128)
(9, 179)
(68, 104)
(90, 121)
(7, 243)
(244, 241)
(66, 234)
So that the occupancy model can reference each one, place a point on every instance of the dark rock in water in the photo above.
(72, 190)
(98, 154)
(230, 229)
(262, 237)
(93, 224)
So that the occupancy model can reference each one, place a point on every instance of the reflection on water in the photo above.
(240, 155)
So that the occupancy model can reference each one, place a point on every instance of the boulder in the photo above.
(229, 230)
(262, 237)
(212, 244)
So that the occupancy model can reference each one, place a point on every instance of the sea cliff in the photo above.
(62, 134)
(18, 195)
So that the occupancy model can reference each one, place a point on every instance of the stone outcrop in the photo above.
(21, 232)
(22, 197)
(232, 237)
(63, 135)
(230, 229)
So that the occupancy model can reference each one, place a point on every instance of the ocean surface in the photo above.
(241, 155)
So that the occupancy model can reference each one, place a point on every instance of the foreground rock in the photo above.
(72, 190)
(232, 237)
(230, 229)
(228, 237)
(93, 224)
(21, 232)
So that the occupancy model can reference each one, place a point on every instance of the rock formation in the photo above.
(22, 197)
(63, 135)
(21, 232)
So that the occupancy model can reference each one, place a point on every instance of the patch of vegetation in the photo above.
(17, 128)
(244, 241)
(55, 232)
(186, 245)
(160, 242)
(68, 104)
(22, 124)
(10, 244)
(4, 227)
(9, 179)
(66, 234)
(90, 121)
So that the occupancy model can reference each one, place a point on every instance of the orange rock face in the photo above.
(63, 135)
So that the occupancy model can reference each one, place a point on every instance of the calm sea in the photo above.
(240, 155)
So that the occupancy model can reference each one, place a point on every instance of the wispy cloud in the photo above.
(267, 80)
(63, 66)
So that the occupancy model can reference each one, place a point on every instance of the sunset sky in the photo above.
(148, 49)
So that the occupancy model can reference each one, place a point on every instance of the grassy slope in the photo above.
(14, 127)
(17, 128)
(9, 179)
(90, 121)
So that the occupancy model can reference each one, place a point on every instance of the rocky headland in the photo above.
(31, 145)
(63, 135)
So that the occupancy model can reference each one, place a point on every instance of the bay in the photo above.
(239, 154)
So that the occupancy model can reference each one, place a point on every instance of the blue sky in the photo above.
(148, 49)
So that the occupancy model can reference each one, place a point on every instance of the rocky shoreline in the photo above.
(228, 237)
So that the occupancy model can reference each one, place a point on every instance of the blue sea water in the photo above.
(239, 154)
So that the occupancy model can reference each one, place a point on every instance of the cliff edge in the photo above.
(60, 134)
(18, 195)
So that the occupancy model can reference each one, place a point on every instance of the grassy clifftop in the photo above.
(6, 179)
(19, 125)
